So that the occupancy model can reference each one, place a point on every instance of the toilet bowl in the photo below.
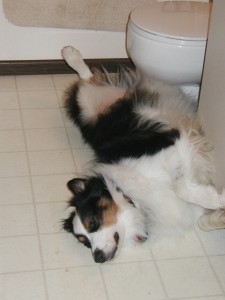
(167, 40)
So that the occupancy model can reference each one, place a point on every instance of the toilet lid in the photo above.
(186, 20)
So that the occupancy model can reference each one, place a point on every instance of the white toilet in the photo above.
(167, 40)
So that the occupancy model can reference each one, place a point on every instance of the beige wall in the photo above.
(212, 98)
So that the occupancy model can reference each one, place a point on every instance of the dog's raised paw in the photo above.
(70, 53)
(74, 59)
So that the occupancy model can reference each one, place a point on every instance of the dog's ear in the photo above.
(67, 224)
(76, 185)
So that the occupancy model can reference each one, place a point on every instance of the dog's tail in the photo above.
(74, 59)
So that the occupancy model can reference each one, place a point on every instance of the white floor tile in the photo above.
(22, 286)
(133, 281)
(213, 241)
(13, 164)
(77, 283)
(62, 82)
(75, 138)
(51, 162)
(42, 118)
(8, 100)
(15, 190)
(7, 83)
(19, 254)
(35, 82)
(208, 298)
(218, 263)
(68, 122)
(134, 253)
(50, 216)
(83, 158)
(49, 188)
(38, 99)
(10, 119)
(61, 97)
(46, 139)
(17, 220)
(190, 277)
(12, 140)
(62, 250)
(186, 246)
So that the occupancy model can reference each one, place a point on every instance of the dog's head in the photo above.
(103, 219)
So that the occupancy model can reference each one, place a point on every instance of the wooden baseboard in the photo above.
(38, 67)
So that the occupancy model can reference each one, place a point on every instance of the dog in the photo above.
(154, 171)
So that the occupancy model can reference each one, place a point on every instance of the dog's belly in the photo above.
(150, 181)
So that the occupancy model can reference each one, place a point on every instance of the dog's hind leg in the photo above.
(205, 196)
(74, 59)
(212, 220)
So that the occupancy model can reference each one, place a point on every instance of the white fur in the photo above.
(93, 105)
(74, 59)
(166, 187)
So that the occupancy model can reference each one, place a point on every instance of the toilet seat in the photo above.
(160, 20)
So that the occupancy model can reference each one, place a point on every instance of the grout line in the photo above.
(67, 135)
(104, 283)
(33, 128)
(43, 150)
(197, 297)
(50, 269)
(33, 197)
(209, 261)
(27, 203)
(159, 274)
(38, 175)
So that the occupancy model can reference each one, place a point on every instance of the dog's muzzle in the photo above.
(101, 257)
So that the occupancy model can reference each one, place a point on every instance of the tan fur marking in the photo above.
(81, 239)
(109, 216)
(103, 203)
(86, 223)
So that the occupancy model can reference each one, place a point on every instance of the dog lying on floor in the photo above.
(153, 172)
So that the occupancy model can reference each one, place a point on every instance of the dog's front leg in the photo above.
(202, 195)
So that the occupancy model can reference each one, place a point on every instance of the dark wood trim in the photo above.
(32, 67)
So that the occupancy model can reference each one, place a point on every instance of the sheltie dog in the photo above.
(153, 172)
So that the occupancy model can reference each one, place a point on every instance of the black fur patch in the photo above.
(87, 202)
(67, 224)
(118, 134)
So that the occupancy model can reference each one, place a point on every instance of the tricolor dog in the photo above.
(154, 170)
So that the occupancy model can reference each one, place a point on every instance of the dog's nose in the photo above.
(99, 256)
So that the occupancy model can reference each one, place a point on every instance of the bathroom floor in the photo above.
(40, 151)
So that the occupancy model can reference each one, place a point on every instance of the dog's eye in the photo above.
(93, 225)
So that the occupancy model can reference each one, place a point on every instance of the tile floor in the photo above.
(40, 151)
